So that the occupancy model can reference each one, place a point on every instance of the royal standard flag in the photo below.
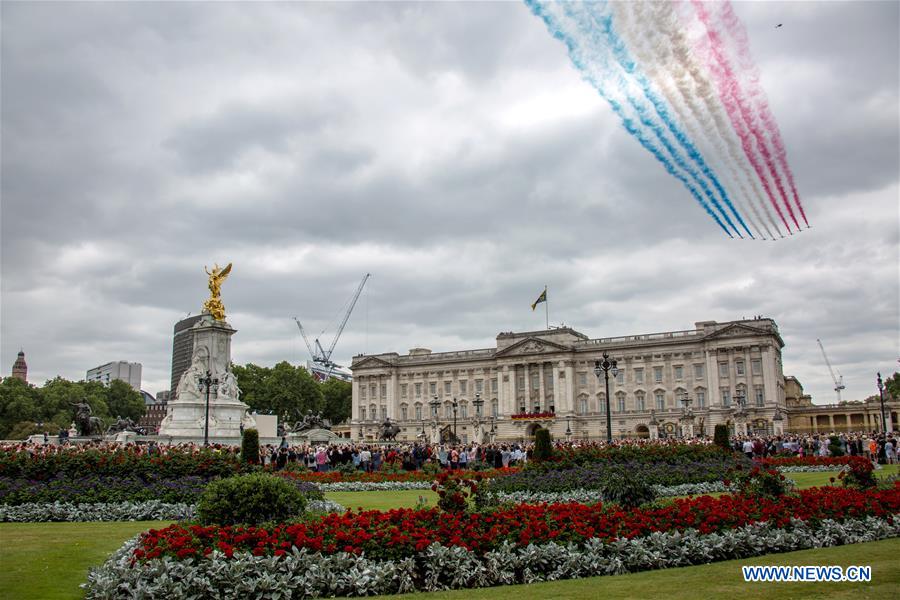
(541, 298)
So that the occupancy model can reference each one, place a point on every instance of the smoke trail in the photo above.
(554, 25)
(738, 33)
(732, 98)
(663, 69)
(668, 22)
(604, 19)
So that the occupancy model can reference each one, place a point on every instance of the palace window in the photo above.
(494, 385)
(383, 412)
(447, 391)
(679, 373)
(601, 404)
(639, 400)
(432, 388)
(639, 376)
(582, 379)
(620, 401)
(463, 387)
(535, 382)
(739, 367)
(448, 410)
(723, 370)
(403, 389)
(372, 390)
(756, 366)
(520, 382)
(418, 390)
(404, 412)
(657, 374)
(362, 413)
(479, 386)
(701, 398)
(384, 390)
(698, 371)
(463, 410)
(418, 411)
(760, 396)
(582, 406)
(620, 377)
(660, 400)
(362, 391)
(548, 380)
(495, 408)
(372, 414)
(726, 397)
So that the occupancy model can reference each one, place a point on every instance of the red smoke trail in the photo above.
(730, 92)
(738, 33)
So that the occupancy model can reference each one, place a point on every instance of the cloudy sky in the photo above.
(451, 150)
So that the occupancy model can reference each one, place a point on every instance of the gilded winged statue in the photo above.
(214, 305)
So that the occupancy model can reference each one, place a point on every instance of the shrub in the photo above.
(452, 491)
(250, 446)
(858, 474)
(543, 449)
(834, 446)
(250, 499)
(761, 483)
(720, 437)
(626, 489)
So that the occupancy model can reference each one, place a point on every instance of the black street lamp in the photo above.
(455, 405)
(478, 403)
(605, 366)
(881, 396)
(206, 383)
(568, 428)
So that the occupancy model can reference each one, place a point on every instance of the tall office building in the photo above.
(182, 348)
(128, 372)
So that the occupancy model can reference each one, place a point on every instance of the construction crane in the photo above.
(319, 355)
(839, 380)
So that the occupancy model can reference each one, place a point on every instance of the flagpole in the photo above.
(547, 307)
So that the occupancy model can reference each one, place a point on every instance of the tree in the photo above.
(892, 387)
(543, 448)
(124, 401)
(282, 390)
(337, 396)
(720, 436)
(19, 403)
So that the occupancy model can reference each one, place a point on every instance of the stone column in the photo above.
(527, 391)
(570, 385)
(394, 395)
(542, 387)
(712, 378)
(770, 388)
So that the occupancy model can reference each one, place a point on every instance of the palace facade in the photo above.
(668, 384)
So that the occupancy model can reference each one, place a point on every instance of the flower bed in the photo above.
(121, 511)
(402, 533)
(534, 415)
(126, 461)
(382, 476)
(834, 462)
(113, 489)
(588, 496)
(306, 573)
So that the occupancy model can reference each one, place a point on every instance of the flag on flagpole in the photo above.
(541, 298)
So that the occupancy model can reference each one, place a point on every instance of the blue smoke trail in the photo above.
(624, 59)
(628, 123)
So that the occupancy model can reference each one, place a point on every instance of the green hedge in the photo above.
(250, 499)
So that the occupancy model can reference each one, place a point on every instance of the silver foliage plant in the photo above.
(151, 510)
(587, 496)
(373, 486)
(304, 574)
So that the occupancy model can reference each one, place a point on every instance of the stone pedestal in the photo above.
(186, 413)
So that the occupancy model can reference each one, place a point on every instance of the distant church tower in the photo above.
(20, 369)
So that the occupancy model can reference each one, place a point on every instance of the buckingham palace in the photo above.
(669, 384)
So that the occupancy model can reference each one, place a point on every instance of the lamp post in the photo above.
(568, 428)
(880, 385)
(207, 383)
(741, 414)
(605, 366)
(493, 428)
(455, 406)
(687, 417)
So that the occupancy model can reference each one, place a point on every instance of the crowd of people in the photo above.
(878, 447)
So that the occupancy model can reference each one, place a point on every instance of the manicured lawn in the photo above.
(718, 580)
(382, 500)
(50, 560)
(806, 480)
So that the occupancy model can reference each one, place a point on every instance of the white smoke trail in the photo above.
(658, 63)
